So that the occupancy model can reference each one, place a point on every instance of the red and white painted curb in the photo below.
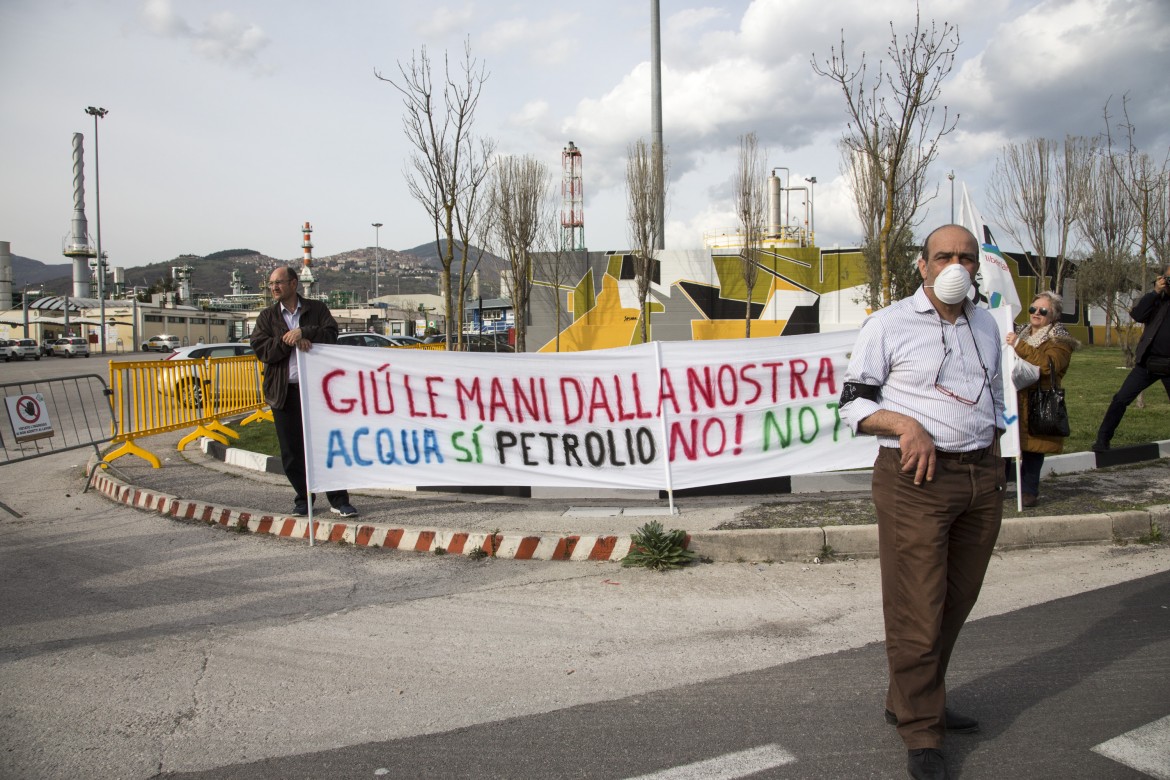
(512, 546)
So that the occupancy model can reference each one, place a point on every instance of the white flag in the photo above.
(996, 286)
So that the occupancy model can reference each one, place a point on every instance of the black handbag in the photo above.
(1047, 414)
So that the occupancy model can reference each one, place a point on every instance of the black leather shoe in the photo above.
(1100, 446)
(926, 764)
(300, 508)
(956, 723)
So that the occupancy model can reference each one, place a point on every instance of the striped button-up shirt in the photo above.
(292, 319)
(923, 365)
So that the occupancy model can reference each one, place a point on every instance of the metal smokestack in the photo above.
(5, 276)
(77, 245)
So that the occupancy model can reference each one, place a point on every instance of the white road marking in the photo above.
(728, 767)
(1146, 749)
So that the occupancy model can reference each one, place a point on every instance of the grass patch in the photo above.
(259, 436)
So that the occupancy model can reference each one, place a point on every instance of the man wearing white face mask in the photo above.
(924, 377)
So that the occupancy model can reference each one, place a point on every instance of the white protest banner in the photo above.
(1009, 440)
(997, 288)
(658, 416)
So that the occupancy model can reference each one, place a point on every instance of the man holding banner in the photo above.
(925, 379)
(290, 324)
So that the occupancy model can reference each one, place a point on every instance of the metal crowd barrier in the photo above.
(157, 396)
(54, 415)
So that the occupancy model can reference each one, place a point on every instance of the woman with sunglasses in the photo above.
(1040, 340)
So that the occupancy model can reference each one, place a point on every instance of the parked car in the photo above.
(226, 349)
(376, 340)
(7, 350)
(72, 346)
(161, 343)
(474, 342)
(23, 349)
(189, 385)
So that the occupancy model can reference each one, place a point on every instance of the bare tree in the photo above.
(869, 200)
(1143, 181)
(438, 121)
(472, 225)
(645, 192)
(1108, 224)
(1036, 192)
(892, 119)
(521, 216)
(751, 207)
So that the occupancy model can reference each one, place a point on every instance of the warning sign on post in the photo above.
(29, 417)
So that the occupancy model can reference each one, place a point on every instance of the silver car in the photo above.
(161, 343)
(23, 349)
(73, 346)
(188, 384)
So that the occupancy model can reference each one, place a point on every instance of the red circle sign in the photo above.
(28, 409)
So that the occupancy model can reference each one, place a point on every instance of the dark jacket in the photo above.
(317, 325)
(1151, 311)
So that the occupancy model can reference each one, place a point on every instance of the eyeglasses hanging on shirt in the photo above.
(947, 353)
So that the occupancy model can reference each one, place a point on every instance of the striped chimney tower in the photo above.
(77, 246)
(307, 280)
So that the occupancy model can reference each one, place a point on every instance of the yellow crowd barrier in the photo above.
(157, 396)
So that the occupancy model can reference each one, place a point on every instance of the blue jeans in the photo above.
(1137, 381)
(1030, 465)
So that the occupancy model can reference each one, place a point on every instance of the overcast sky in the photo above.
(232, 123)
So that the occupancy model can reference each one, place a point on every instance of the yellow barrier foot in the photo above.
(130, 448)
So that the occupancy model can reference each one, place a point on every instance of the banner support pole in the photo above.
(662, 425)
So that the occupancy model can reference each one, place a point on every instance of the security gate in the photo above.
(54, 415)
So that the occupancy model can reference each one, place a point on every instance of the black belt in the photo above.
(971, 456)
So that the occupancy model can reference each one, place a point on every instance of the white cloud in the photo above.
(224, 37)
(545, 41)
(161, 19)
(445, 21)
(531, 113)
(1054, 66)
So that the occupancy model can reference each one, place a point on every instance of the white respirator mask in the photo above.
(952, 284)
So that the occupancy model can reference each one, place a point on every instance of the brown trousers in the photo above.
(934, 542)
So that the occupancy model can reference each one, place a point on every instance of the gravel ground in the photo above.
(1113, 489)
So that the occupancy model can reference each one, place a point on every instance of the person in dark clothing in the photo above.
(293, 323)
(1152, 359)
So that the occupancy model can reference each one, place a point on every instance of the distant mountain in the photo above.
(491, 267)
(25, 270)
(410, 271)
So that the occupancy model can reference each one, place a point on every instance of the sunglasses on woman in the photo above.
(1043, 312)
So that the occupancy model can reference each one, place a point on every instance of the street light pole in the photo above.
(98, 113)
(377, 255)
(951, 176)
(812, 214)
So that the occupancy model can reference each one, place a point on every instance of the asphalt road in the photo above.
(1049, 683)
(133, 646)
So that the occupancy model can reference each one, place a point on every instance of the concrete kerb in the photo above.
(425, 540)
(781, 544)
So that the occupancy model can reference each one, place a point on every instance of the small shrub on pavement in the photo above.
(655, 548)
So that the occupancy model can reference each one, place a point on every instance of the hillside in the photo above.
(407, 272)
